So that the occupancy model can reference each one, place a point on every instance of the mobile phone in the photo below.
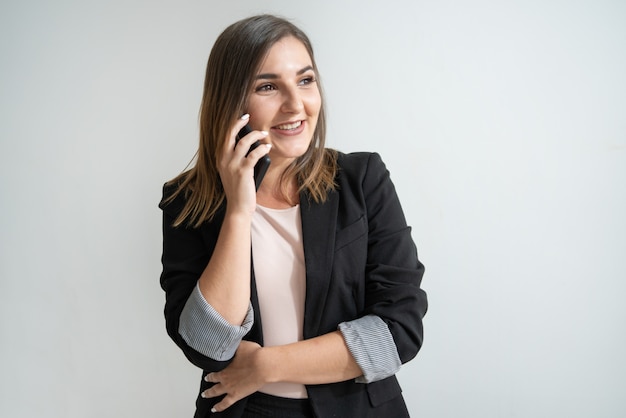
(262, 165)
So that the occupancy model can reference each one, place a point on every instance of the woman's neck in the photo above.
(271, 196)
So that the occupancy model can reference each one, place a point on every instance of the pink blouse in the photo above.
(278, 261)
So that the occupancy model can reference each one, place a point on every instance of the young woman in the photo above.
(301, 298)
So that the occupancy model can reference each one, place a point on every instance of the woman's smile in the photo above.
(290, 128)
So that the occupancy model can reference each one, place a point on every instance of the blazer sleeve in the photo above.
(393, 272)
(186, 253)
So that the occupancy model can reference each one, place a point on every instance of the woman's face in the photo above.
(285, 100)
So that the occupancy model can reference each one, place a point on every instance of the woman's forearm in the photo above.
(225, 282)
(323, 359)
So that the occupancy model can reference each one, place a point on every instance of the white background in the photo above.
(503, 124)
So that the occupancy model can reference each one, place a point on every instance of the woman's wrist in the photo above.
(270, 364)
(238, 216)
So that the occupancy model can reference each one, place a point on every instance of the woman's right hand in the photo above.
(237, 170)
(225, 282)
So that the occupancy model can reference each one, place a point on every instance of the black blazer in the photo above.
(360, 259)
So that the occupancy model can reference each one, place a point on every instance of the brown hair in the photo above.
(235, 58)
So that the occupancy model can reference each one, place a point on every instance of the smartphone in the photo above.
(262, 165)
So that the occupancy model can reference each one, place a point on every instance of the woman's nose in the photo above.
(292, 102)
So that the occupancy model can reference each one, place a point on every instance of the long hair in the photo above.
(233, 63)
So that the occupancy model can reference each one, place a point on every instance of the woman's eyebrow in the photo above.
(271, 76)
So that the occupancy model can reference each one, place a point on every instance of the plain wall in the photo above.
(503, 124)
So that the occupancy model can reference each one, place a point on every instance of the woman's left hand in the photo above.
(241, 378)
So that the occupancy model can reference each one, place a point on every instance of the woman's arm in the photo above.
(225, 282)
(212, 263)
(323, 359)
(188, 254)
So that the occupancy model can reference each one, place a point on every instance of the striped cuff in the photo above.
(207, 332)
(372, 346)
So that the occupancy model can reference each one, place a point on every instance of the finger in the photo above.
(231, 141)
(211, 378)
(241, 122)
(250, 142)
(258, 152)
(214, 391)
(222, 405)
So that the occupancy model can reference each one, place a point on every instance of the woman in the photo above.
(301, 299)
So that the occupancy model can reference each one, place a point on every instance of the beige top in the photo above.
(278, 261)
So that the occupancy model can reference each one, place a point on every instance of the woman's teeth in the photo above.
(289, 126)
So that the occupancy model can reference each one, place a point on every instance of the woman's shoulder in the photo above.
(174, 196)
(359, 163)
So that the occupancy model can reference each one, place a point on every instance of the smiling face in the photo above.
(285, 100)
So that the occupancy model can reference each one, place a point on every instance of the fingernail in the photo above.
(206, 378)
(246, 116)
(213, 410)
(203, 395)
(268, 145)
(265, 133)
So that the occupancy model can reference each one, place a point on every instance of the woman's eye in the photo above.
(265, 87)
(307, 80)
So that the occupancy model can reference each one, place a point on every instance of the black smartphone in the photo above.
(262, 165)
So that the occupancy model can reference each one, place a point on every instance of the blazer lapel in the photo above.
(319, 222)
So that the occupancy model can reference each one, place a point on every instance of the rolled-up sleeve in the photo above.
(207, 332)
(371, 344)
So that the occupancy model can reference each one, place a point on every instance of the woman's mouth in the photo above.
(289, 126)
